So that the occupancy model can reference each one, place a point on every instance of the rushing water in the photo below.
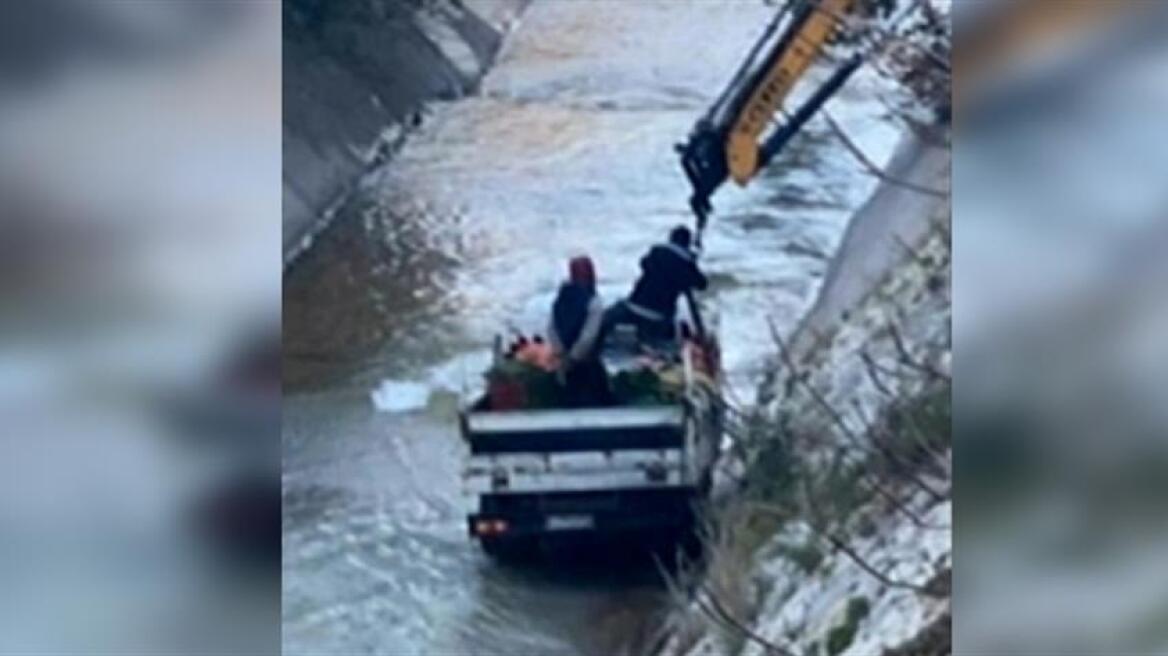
(466, 233)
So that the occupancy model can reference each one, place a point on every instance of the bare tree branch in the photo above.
(714, 609)
(909, 360)
(922, 438)
(854, 440)
(870, 367)
(906, 470)
(785, 354)
(867, 567)
(840, 545)
(889, 35)
(871, 166)
(892, 458)
(902, 507)
(923, 261)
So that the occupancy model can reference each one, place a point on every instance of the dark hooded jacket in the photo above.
(667, 272)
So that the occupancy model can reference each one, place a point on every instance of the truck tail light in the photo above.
(491, 526)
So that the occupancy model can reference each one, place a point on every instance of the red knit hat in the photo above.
(581, 271)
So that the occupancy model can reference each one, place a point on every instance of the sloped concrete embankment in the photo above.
(835, 538)
(900, 213)
(356, 77)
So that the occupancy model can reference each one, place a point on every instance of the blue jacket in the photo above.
(575, 322)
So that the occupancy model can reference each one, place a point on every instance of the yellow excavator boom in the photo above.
(724, 143)
(742, 148)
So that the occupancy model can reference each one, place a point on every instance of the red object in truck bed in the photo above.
(506, 395)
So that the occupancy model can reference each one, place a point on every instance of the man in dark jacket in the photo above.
(667, 271)
(576, 314)
(573, 332)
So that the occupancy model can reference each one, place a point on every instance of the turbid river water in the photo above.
(567, 149)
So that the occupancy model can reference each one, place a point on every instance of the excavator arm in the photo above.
(725, 141)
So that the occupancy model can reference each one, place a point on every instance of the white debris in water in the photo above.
(400, 396)
(460, 376)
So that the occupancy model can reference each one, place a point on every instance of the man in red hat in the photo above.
(573, 332)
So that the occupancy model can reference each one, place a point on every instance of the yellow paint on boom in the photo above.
(742, 144)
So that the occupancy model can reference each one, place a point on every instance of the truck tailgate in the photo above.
(589, 429)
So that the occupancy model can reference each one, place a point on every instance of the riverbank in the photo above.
(356, 79)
